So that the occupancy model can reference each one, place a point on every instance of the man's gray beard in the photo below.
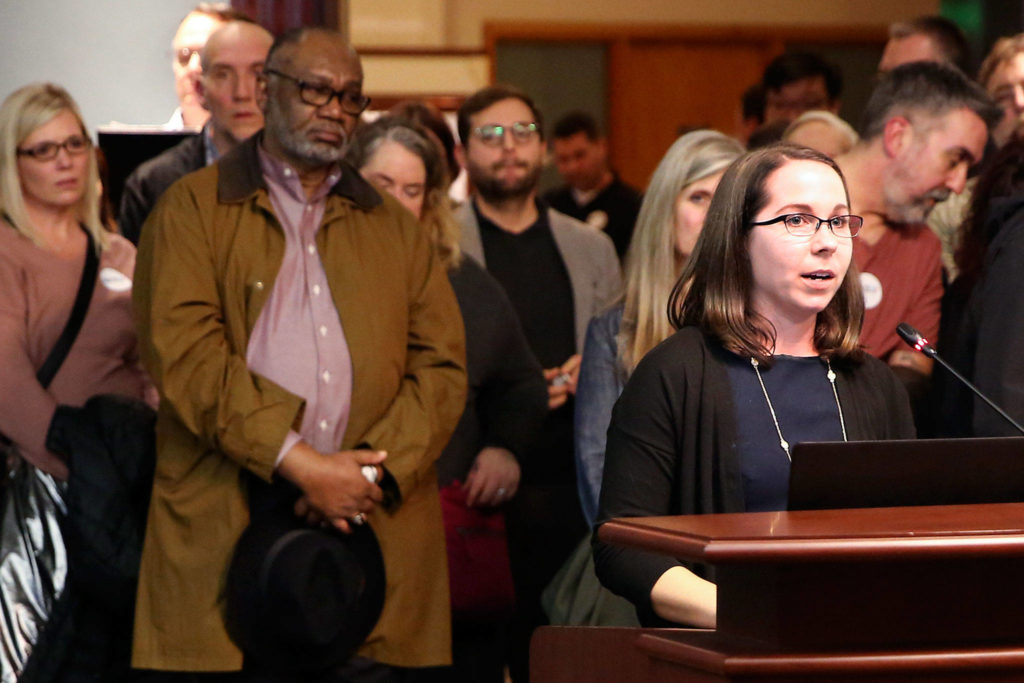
(493, 191)
(306, 150)
(904, 210)
(910, 211)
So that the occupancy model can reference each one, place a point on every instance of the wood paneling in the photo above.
(663, 78)
(663, 88)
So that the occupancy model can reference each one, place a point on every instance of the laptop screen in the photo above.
(862, 474)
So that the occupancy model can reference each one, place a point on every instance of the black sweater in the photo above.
(508, 397)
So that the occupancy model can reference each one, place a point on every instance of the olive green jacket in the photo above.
(207, 261)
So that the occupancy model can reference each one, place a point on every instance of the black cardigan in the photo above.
(508, 397)
(671, 446)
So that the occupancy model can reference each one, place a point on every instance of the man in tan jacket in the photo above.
(298, 325)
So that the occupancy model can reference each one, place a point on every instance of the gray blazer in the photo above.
(588, 254)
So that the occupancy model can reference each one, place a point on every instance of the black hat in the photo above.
(302, 598)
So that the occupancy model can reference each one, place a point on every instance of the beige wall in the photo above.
(402, 75)
(460, 23)
(397, 23)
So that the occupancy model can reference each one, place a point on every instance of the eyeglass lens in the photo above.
(45, 151)
(495, 134)
(805, 225)
(352, 101)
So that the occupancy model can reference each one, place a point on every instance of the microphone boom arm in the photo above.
(916, 340)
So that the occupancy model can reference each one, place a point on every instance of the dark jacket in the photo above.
(613, 210)
(148, 182)
(989, 334)
(508, 397)
(110, 443)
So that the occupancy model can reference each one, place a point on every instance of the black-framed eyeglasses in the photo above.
(806, 224)
(353, 102)
(493, 135)
(47, 151)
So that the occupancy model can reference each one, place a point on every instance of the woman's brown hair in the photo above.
(714, 290)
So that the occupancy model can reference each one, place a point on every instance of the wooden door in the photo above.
(664, 88)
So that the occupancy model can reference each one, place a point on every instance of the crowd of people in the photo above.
(388, 425)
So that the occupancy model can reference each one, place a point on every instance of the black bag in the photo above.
(110, 444)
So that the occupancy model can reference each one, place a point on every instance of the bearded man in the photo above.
(559, 273)
(924, 127)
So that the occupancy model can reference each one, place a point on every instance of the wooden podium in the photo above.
(879, 594)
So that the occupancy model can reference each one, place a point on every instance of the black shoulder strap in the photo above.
(67, 337)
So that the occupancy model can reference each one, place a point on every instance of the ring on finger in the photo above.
(359, 518)
(501, 493)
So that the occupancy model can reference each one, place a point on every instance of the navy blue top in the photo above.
(805, 408)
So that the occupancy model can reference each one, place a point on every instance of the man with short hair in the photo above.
(751, 112)
(925, 39)
(558, 274)
(188, 41)
(795, 82)
(593, 193)
(924, 126)
(232, 61)
(300, 329)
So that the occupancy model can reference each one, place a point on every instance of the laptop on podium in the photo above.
(861, 474)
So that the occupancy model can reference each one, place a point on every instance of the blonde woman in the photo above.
(671, 217)
(49, 203)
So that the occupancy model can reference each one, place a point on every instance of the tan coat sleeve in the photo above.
(192, 335)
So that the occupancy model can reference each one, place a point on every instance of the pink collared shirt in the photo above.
(298, 341)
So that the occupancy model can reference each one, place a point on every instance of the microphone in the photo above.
(916, 340)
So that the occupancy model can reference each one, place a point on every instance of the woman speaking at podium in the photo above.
(768, 312)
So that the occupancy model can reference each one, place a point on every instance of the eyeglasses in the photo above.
(183, 55)
(47, 151)
(493, 135)
(805, 224)
(352, 101)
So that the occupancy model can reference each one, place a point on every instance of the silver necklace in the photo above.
(832, 381)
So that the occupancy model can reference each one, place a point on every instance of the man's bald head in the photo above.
(309, 40)
(235, 36)
(193, 31)
(233, 60)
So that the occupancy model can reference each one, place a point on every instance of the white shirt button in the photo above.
(323, 330)
(316, 290)
(323, 425)
(309, 208)
(326, 376)
(287, 173)
(311, 249)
